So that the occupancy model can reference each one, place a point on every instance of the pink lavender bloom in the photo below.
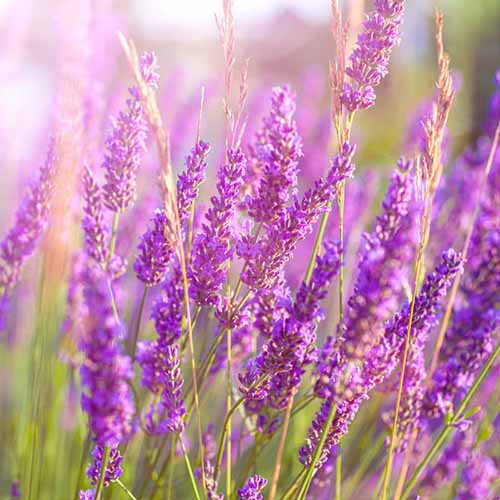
(351, 389)
(105, 372)
(126, 143)
(31, 221)
(370, 58)
(94, 229)
(212, 247)
(478, 477)
(383, 265)
(264, 259)
(252, 488)
(189, 180)
(155, 250)
(279, 149)
(113, 466)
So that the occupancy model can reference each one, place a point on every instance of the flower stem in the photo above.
(392, 445)
(190, 470)
(137, 327)
(228, 399)
(102, 473)
(125, 489)
(450, 426)
(317, 454)
(114, 233)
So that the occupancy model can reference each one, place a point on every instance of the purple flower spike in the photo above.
(105, 372)
(93, 226)
(265, 259)
(252, 488)
(31, 221)
(384, 263)
(113, 466)
(155, 250)
(189, 181)
(370, 58)
(212, 247)
(353, 387)
(124, 147)
(279, 150)
(478, 478)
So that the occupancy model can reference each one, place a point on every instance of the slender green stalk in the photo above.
(85, 450)
(225, 428)
(392, 445)
(228, 401)
(102, 473)
(295, 484)
(137, 327)
(114, 233)
(319, 449)
(125, 489)
(338, 472)
(451, 425)
(171, 469)
(190, 470)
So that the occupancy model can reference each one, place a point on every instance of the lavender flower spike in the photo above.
(370, 58)
(212, 247)
(93, 226)
(107, 398)
(349, 390)
(22, 239)
(113, 466)
(155, 250)
(279, 151)
(265, 259)
(31, 220)
(126, 143)
(189, 181)
(252, 488)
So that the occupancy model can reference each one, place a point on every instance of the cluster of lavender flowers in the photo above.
(225, 332)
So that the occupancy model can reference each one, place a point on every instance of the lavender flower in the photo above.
(31, 221)
(212, 246)
(370, 58)
(86, 495)
(155, 250)
(160, 362)
(348, 390)
(113, 466)
(285, 355)
(15, 491)
(94, 229)
(478, 477)
(265, 259)
(169, 413)
(279, 150)
(383, 265)
(126, 142)
(252, 488)
(105, 372)
(189, 181)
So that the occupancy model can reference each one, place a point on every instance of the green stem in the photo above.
(125, 489)
(294, 485)
(225, 429)
(102, 474)
(228, 402)
(450, 427)
(135, 338)
(338, 472)
(114, 233)
(190, 470)
(319, 449)
(171, 469)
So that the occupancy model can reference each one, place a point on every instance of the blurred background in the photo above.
(57, 54)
